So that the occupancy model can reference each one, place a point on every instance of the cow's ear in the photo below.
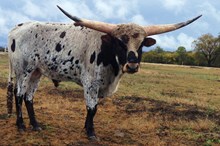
(149, 42)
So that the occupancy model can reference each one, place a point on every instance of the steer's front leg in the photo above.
(91, 96)
(89, 126)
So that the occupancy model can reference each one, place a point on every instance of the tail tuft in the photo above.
(10, 98)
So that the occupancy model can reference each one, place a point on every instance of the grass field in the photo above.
(159, 106)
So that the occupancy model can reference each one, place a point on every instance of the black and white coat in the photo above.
(93, 59)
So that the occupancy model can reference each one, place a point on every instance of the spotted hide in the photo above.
(95, 56)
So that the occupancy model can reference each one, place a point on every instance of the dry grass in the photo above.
(161, 105)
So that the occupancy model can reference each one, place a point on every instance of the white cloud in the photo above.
(47, 10)
(209, 10)
(32, 10)
(116, 10)
(139, 19)
(172, 42)
(8, 19)
(120, 11)
(174, 5)
(78, 8)
(185, 40)
(105, 9)
(166, 41)
(3, 27)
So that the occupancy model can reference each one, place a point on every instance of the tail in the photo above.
(10, 90)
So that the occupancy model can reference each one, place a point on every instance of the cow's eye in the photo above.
(135, 35)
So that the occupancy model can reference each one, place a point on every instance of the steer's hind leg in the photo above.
(31, 114)
(18, 104)
(23, 78)
(33, 84)
(20, 90)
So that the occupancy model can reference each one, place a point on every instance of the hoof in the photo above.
(93, 138)
(9, 115)
(21, 128)
(37, 128)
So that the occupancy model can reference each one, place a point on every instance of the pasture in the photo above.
(161, 105)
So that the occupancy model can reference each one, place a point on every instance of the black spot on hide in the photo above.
(65, 70)
(125, 38)
(69, 52)
(69, 60)
(54, 68)
(29, 70)
(58, 47)
(92, 58)
(54, 59)
(36, 35)
(38, 56)
(20, 24)
(13, 45)
(77, 61)
(62, 35)
(110, 49)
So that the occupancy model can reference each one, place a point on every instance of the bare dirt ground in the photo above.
(136, 115)
(127, 120)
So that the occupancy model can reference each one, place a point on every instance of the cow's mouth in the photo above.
(131, 68)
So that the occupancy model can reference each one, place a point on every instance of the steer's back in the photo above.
(61, 51)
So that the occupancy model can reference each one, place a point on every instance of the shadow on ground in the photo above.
(172, 111)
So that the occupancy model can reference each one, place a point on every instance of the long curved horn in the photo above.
(158, 29)
(99, 26)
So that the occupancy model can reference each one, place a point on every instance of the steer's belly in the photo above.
(62, 74)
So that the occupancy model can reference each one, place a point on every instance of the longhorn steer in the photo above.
(94, 57)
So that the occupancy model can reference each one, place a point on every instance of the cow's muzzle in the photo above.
(131, 68)
(132, 64)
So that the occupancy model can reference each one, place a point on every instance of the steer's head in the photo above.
(132, 36)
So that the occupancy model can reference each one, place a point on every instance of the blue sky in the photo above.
(143, 12)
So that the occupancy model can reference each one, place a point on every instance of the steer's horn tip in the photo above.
(194, 19)
(74, 18)
(58, 6)
(197, 17)
(188, 22)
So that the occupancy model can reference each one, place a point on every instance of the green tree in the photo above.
(209, 47)
(169, 57)
(181, 55)
(158, 49)
(190, 58)
(2, 49)
(154, 56)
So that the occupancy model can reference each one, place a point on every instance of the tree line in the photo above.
(206, 52)
(2, 49)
